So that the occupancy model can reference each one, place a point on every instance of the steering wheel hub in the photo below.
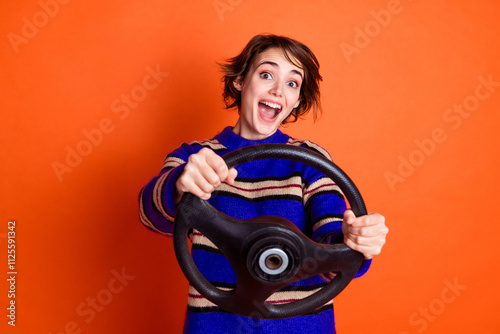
(273, 258)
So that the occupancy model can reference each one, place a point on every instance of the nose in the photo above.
(277, 88)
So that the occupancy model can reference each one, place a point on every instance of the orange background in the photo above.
(389, 84)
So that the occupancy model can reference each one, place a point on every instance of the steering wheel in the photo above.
(267, 253)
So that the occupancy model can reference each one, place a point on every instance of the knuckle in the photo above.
(222, 170)
(364, 232)
(368, 220)
(357, 239)
(184, 181)
(350, 244)
(221, 164)
(181, 184)
(183, 188)
(193, 159)
(188, 168)
(382, 229)
(204, 151)
(203, 195)
(207, 188)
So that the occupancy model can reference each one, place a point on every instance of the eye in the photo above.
(293, 84)
(266, 75)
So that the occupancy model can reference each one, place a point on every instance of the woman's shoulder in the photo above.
(213, 144)
(309, 145)
(188, 148)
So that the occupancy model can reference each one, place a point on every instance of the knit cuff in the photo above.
(169, 190)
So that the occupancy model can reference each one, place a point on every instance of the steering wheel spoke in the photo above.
(320, 259)
(224, 231)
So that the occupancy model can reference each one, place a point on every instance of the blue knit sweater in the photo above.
(276, 187)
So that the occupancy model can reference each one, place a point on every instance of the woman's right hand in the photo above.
(203, 172)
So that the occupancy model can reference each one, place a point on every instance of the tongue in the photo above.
(267, 111)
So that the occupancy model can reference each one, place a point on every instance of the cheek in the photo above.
(283, 119)
(294, 100)
(283, 116)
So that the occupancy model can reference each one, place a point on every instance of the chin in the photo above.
(266, 132)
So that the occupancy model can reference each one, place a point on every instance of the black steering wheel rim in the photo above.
(194, 213)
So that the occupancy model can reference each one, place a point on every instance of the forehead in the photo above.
(276, 55)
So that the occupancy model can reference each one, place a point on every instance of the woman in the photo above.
(274, 80)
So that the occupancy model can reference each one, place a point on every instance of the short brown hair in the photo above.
(237, 67)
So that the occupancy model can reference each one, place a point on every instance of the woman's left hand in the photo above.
(365, 234)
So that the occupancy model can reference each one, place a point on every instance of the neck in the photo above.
(237, 129)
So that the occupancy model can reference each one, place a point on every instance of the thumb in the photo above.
(349, 217)
(231, 176)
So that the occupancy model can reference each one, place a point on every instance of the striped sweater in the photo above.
(292, 190)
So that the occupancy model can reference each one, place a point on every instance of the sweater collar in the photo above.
(233, 141)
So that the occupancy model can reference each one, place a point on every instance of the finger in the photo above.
(197, 167)
(349, 217)
(231, 176)
(371, 219)
(368, 231)
(193, 177)
(206, 179)
(194, 189)
(217, 165)
(200, 193)
(377, 241)
(367, 251)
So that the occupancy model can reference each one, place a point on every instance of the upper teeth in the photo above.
(272, 105)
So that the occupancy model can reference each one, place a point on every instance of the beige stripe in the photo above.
(324, 222)
(199, 239)
(322, 184)
(195, 299)
(145, 220)
(297, 142)
(172, 162)
(252, 190)
(281, 297)
(157, 195)
(214, 144)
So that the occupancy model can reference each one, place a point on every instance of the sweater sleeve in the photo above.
(156, 206)
(325, 205)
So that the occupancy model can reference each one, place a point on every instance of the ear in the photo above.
(238, 83)
(297, 103)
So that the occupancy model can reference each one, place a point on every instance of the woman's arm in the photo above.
(188, 169)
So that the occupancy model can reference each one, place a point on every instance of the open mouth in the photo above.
(269, 109)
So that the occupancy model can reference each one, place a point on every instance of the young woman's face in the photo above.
(269, 93)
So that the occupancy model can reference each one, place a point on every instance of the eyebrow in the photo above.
(273, 64)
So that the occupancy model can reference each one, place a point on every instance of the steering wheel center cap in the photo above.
(273, 261)
(273, 258)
